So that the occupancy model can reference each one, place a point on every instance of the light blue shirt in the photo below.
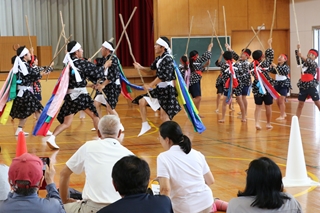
(33, 203)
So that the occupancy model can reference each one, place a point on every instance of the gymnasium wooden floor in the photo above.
(228, 147)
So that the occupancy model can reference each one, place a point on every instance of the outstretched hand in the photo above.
(137, 65)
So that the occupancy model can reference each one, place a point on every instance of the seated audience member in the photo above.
(184, 174)
(25, 178)
(95, 158)
(264, 191)
(130, 177)
(4, 185)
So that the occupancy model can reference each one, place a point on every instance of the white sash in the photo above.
(76, 92)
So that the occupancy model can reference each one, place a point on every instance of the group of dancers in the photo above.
(104, 73)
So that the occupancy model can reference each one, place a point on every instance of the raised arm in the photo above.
(206, 55)
(51, 187)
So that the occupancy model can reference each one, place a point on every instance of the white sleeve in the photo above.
(162, 169)
(76, 162)
(205, 166)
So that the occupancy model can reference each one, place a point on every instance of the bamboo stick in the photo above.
(131, 53)
(215, 33)
(273, 17)
(186, 52)
(28, 30)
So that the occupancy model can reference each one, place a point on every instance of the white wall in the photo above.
(308, 16)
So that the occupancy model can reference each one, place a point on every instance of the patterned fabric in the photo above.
(37, 85)
(69, 106)
(112, 90)
(37, 89)
(219, 81)
(167, 96)
(26, 105)
(87, 70)
(285, 71)
(226, 74)
(245, 78)
(269, 55)
(308, 67)
(197, 66)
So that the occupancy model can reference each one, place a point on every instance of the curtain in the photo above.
(140, 31)
(89, 21)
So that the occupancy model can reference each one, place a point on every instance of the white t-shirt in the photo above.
(243, 205)
(4, 184)
(96, 159)
(189, 193)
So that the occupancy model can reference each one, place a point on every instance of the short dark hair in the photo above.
(131, 175)
(25, 190)
(184, 60)
(227, 55)
(248, 51)
(70, 45)
(19, 51)
(264, 181)
(172, 130)
(166, 40)
(256, 55)
(191, 59)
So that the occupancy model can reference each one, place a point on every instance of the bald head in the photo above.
(109, 125)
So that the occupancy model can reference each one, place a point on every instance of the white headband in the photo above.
(67, 59)
(24, 52)
(162, 42)
(108, 46)
(75, 48)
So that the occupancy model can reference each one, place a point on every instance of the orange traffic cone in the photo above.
(21, 145)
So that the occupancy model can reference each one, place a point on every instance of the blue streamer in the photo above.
(43, 117)
(127, 82)
(193, 116)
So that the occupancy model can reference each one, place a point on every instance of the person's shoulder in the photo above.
(160, 198)
(4, 167)
(91, 143)
(292, 199)
(164, 154)
(239, 203)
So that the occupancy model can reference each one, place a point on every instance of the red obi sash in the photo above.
(307, 77)
(199, 72)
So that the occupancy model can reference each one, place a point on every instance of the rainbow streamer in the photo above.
(125, 84)
(264, 85)
(185, 100)
(53, 105)
(7, 95)
(128, 84)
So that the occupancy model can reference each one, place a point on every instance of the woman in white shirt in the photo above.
(4, 183)
(183, 172)
(264, 191)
